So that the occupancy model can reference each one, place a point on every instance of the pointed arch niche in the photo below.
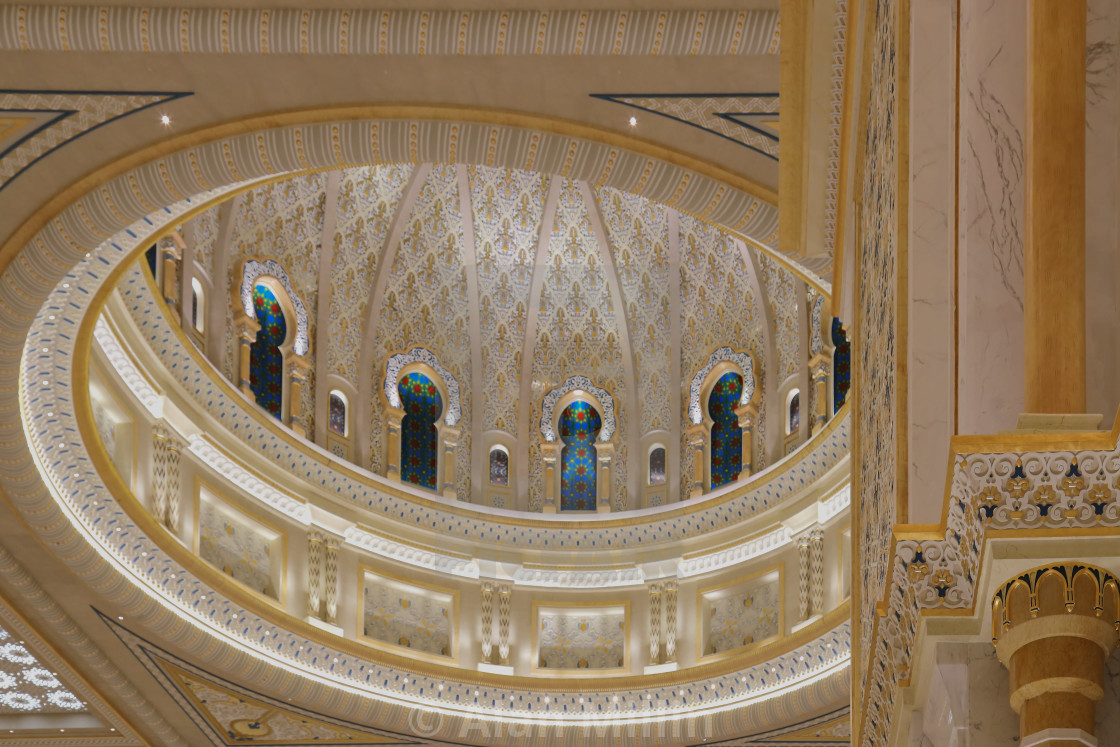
(271, 325)
(577, 418)
(422, 408)
(727, 374)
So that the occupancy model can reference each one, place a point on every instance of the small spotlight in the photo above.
(633, 121)
(165, 120)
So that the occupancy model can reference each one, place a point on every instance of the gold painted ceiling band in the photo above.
(218, 581)
(69, 195)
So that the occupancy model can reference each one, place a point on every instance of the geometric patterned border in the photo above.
(747, 119)
(219, 721)
(253, 270)
(724, 353)
(398, 361)
(407, 31)
(33, 124)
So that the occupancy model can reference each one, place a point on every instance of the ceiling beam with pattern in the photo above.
(33, 124)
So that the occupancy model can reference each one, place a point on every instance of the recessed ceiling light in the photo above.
(165, 120)
(633, 121)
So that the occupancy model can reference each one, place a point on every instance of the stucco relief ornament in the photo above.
(255, 269)
(572, 383)
(398, 361)
(724, 353)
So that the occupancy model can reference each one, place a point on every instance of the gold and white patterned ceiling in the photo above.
(516, 280)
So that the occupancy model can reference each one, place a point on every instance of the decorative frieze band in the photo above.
(239, 476)
(416, 556)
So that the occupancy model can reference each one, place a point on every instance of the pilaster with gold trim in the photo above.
(299, 366)
(604, 455)
(550, 455)
(748, 418)
(448, 442)
(246, 328)
(820, 369)
(697, 436)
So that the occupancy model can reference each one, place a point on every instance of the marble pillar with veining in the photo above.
(1107, 726)
(930, 257)
(990, 193)
(1102, 217)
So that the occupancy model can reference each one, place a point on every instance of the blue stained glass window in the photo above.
(727, 436)
(841, 365)
(579, 427)
(336, 410)
(151, 256)
(266, 362)
(195, 303)
(422, 405)
(795, 412)
(499, 467)
(657, 466)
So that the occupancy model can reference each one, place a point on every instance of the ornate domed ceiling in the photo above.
(515, 280)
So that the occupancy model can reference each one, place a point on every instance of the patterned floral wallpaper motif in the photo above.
(577, 330)
(781, 289)
(425, 302)
(717, 308)
(638, 230)
(876, 269)
(205, 228)
(507, 206)
(368, 198)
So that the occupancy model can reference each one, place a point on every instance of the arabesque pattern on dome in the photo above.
(516, 281)
(426, 302)
(507, 209)
(578, 326)
(368, 199)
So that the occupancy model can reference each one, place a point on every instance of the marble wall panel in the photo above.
(1102, 218)
(992, 100)
(930, 255)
